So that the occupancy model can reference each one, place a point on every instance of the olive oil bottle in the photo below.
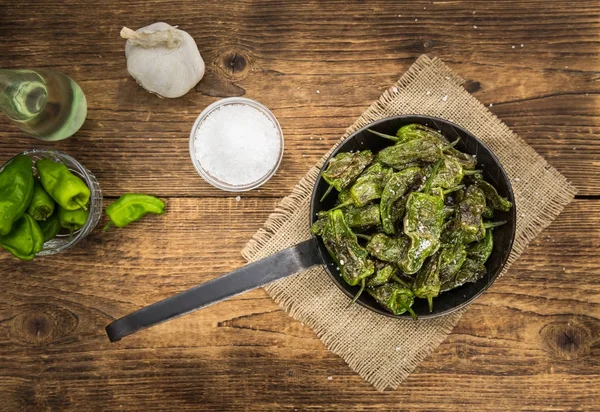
(46, 104)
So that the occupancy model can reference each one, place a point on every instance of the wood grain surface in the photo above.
(531, 342)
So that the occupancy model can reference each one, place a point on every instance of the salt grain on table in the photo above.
(237, 144)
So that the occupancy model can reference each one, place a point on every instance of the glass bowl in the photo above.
(219, 184)
(65, 241)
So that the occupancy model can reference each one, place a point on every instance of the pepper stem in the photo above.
(412, 313)
(472, 172)
(385, 136)
(108, 225)
(326, 193)
(365, 237)
(396, 279)
(431, 176)
(80, 203)
(451, 145)
(341, 205)
(430, 301)
(360, 291)
(453, 189)
(491, 225)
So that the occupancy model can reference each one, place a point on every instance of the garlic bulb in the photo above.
(163, 59)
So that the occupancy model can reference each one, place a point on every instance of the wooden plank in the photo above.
(532, 341)
(280, 54)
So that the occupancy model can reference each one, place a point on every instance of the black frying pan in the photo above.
(312, 252)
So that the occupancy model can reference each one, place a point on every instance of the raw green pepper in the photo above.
(42, 205)
(393, 197)
(50, 227)
(72, 220)
(341, 243)
(16, 191)
(395, 298)
(344, 168)
(67, 189)
(25, 239)
(132, 207)
(386, 248)
(427, 283)
(403, 155)
(382, 276)
(471, 271)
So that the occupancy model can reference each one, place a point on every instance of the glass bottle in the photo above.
(46, 104)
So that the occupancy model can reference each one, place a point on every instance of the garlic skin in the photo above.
(163, 59)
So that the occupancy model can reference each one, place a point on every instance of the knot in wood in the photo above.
(39, 325)
(567, 340)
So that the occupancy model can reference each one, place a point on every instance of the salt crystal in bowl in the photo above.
(236, 144)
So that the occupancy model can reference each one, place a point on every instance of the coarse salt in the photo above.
(237, 144)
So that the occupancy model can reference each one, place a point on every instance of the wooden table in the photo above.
(532, 341)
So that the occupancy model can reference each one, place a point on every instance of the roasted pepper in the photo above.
(25, 239)
(386, 248)
(50, 227)
(403, 155)
(452, 257)
(394, 196)
(494, 200)
(67, 189)
(41, 206)
(481, 251)
(471, 271)
(132, 207)
(427, 283)
(344, 168)
(361, 218)
(423, 224)
(395, 298)
(370, 184)
(73, 220)
(382, 275)
(16, 191)
(352, 259)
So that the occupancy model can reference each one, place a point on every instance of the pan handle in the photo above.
(279, 265)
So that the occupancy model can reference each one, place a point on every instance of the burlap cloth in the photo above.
(382, 350)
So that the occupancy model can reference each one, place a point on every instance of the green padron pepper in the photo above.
(452, 257)
(16, 191)
(481, 251)
(41, 206)
(403, 155)
(427, 284)
(449, 175)
(50, 227)
(344, 168)
(25, 239)
(393, 197)
(423, 223)
(72, 220)
(471, 271)
(361, 218)
(370, 184)
(342, 244)
(386, 248)
(488, 212)
(494, 200)
(395, 298)
(132, 207)
(382, 275)
(412, 132)
(469, 222)
(67, 189)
